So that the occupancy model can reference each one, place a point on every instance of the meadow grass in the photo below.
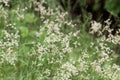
(44, 44)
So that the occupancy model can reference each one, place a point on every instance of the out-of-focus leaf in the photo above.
(113, 6)
(96, 6)
(24, 31)
(30, 18)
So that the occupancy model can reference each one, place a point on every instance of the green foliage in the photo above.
(113, 6)
(24, 31)
(47, 45)
(96, 7)
(29, 18)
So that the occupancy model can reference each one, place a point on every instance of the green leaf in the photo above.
(113, 7)
(42, 37)
(1, 34)
(30, 18)
(24, 31)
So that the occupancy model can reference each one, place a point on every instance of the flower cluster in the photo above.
(96, 28)
(54, 49)
(8, 44)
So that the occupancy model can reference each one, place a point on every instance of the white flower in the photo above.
(71, 68)
(95, 27)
